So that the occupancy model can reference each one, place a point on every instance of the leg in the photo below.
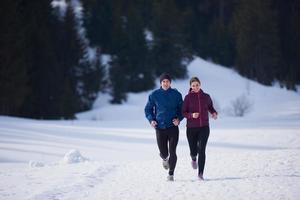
(202, 139)
(162, 143)
(192, 137)
(173, 134)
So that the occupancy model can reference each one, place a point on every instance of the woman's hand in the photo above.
(195, 115)
(214, 115)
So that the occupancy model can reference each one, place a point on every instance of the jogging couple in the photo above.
(165, 109)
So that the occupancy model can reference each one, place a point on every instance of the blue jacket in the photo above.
(163, 106)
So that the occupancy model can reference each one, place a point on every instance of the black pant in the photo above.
(197, 138)
(167, 140)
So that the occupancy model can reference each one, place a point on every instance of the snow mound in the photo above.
(36, 164)
(73, 156)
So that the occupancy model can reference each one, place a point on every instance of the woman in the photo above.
(196, 106)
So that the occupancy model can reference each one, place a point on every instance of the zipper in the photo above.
(199, 109)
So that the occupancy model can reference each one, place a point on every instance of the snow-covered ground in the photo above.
(110, 152)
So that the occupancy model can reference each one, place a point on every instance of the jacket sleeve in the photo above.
(211, 108)
(179, 108)
(185, 108)
(149, 109)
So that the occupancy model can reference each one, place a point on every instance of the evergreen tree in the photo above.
(98, 21)
(294, 71)
(221, 43)
(13, 62)
(257, 40)
(201, 12)
(289, 30)
(138, 72)
(91, 80)
(168, 49)
(130, 70)
(118, 81)
(70, 52)
(117, 71)
(54, 52)
(221, 47)
(39, 24)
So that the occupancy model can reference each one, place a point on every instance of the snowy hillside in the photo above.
(269, 104)
(111, 152)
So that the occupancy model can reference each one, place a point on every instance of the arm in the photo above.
(211, 108)
(178, 117)
(149, 109)
(185, 109)
(179, 108)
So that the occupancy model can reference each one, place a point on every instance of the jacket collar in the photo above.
(169, 89)
(192, 92)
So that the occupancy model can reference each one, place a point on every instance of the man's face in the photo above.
(165, 84)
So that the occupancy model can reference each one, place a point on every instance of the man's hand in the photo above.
(176, 121)
(153, 123)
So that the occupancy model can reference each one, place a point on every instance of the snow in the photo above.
(73, 156)
(148, 35)
(110, 152)
(61, 4)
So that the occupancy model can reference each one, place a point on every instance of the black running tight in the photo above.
(167, 140)
(197, 138)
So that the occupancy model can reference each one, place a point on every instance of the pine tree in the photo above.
(168, 49)
(39, 24)
(91, 75)
(289, 20)
(98, 21)
(129, 70)
(71, 51)
(257, 40)
(118, 79)
(221, 43)
(294, 71)
(138, 71)
(201, 12)
(54, 53)
(118, 85)
(13, 62)
(221, 47)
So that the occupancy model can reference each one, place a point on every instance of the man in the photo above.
(163, 110)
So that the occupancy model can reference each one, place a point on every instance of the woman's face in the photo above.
(195, 86)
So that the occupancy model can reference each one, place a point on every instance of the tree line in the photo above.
(46, 70)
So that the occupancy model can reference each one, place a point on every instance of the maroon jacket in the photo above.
(197, 102)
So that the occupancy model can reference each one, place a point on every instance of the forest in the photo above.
(55, 61)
